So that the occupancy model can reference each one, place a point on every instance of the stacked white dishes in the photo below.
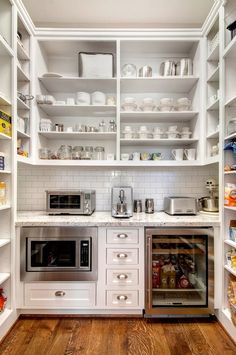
(166, 104)
(143, 132)
(98, 98)
(127, 132)
(172, 132)
(82, 98)
(183, 104)
(147, 104)
(185, 134)
(129, 104)
(157, 133)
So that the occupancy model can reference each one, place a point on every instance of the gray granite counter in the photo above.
(104, 219)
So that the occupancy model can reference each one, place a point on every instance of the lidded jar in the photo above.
(77, 152)
(99, 153)
(65, 152)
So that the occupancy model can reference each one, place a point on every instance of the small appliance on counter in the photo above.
(81, 202)
(210, 204)
(149, 205)
(175, 205)
(122, 202)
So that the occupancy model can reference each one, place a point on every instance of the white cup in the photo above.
(190, 154)
(136, 156)
(178, 154)
(124, 156)
(70, 101)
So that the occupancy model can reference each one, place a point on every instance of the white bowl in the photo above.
(129, 100)
(172, 135)
(148, 101)
(157, 135)
(83, 98)
(143, 135)
(158, 130)
(143, 129)
(128, 135)
(172, 129)
(129, 107)
(183, 108)
(166, 101)
(185, 135)
(147, 107)
(167, 108)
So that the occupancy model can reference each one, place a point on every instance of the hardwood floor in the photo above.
(116, 336)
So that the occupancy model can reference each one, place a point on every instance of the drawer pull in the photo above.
(122, 298)
(122, 255)
(122, 235)
(122, 276)
(60, 293)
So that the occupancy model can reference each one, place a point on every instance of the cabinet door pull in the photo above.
(60, 293)
(122, 276)
(122, 255)
(122, 235)
(122, 298)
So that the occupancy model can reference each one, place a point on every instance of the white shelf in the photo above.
(22, 134)
(4, 207)
(233, 172)
(21, 52)
(118, 163)
(4, 101)
(214, 76)
(4, 242)
(213, 135)
(73, 84)
(213, 106)
(5, 315)
(22, 159)
(214, 55)
(5, 48)
(169, 84)
(5, 172)
(230, 50)
(21, 105)
(230, 242)
(212, 160)
(4, 276)
(231, 136)
(79, 135)
(157, 116)
(157, 142)
(4, 136)
(21, 76)
(230, 208)
(75, 110)
(229, 269)
(231, 102)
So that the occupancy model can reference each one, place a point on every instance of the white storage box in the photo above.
(96, 65)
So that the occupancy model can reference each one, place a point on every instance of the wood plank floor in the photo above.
(116, 336)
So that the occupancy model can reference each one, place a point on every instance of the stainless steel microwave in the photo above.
(80, 202)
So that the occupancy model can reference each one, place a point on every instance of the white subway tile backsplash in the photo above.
(156, 183)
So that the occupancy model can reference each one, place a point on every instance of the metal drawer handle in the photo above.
(122, 298)
(122, 255)
(60, 293)
(122, 276)
(122, 235)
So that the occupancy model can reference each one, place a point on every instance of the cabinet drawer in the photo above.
(57, 295)
(122, 256)
(122, 236)
(122, 277)
(122, 299)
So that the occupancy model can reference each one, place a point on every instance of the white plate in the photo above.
(52, 75)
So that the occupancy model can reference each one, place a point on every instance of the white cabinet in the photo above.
(121, 269)
(59, 295)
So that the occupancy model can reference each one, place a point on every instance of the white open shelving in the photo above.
(158, 142)
(75, 110)
(79, 135)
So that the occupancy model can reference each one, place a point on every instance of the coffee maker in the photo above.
(122, 202)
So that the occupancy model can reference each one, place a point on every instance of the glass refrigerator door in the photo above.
(179, 270)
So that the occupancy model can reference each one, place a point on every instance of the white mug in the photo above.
(178, 154)
(190, 154)
(124, 156)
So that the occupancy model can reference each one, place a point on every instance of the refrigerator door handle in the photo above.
(149, 268)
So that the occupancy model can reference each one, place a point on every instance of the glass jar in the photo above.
(77, 152)
(231, 128)
(44, 153)
(3, 300)
(112, 126)
(65, 152)
(3, 195)
(99, 153)
(102, 127)
(88, 153)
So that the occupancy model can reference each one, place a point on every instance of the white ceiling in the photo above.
(118, 13)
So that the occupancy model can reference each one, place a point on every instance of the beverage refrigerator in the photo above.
(179, 272)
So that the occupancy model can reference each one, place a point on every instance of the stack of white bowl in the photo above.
(129, 104)
(147, 104)
(183, 104)
(157, 133)
(143, 132)
(166, 104)
(185, 134)
(172, 132)
(127, 132)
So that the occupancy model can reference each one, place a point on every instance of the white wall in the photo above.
(155, 183)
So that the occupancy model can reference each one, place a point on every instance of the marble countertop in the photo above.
(104, 219)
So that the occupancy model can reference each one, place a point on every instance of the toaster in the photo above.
(180, 205)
